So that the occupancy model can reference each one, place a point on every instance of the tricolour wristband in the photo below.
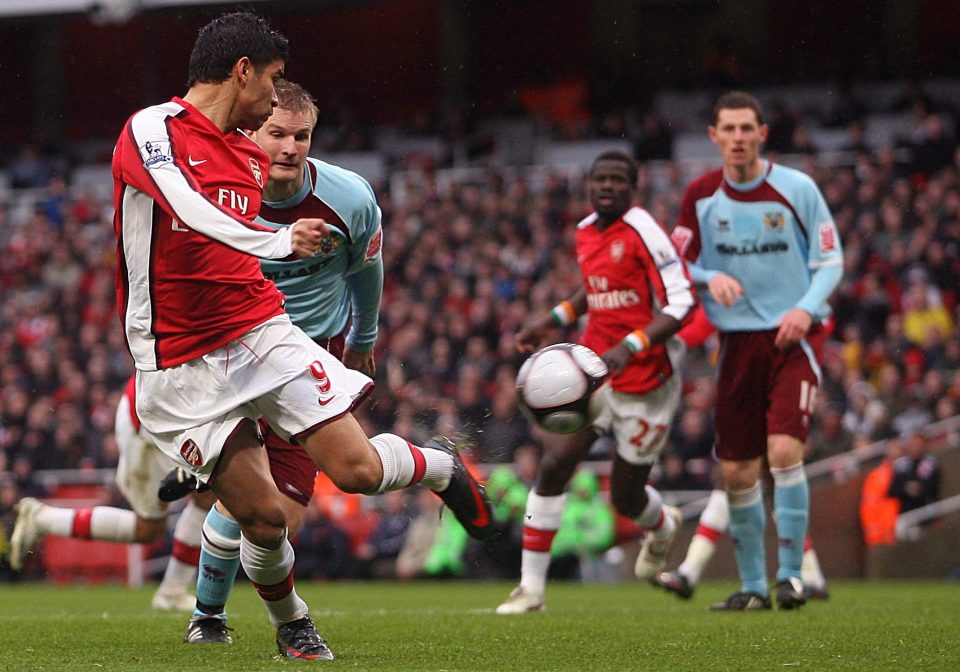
(636, 341)
(563, 314)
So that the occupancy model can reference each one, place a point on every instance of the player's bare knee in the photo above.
(360, 478)
(357, 472)
(263, 525)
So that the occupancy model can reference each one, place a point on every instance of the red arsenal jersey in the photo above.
(630, 270)
(188, 274)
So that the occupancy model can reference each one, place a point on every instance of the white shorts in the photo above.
(274, 371)
(640, 423)
(141, 466)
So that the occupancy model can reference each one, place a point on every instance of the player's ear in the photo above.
(243, 69)
(764, 132)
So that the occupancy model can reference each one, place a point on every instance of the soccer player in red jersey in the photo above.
(213, 347)
(636, 294)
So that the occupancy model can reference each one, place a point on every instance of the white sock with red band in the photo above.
(714, 522)
(102, 522)
(540, 527)
(652, 517)
(405, 464)
(271, 572)
(181, 572)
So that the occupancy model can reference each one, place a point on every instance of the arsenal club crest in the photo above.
(190, 452)
(255, 169)
(616, 251)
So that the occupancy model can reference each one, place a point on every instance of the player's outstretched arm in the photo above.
(531, 335)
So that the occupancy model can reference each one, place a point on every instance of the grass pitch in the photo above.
(451, 626)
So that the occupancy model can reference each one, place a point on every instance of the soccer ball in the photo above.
(555, 387)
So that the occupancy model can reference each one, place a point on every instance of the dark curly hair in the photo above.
(227, 39)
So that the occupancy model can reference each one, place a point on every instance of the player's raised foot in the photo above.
(300, 640)
(464, 496)
(816, 592)
(177, 484)
(521, 602)
(743, 601)
(208, 630)
(26, 531)
(674, 582)
(164, 600)
(790, 594)
(653, 553)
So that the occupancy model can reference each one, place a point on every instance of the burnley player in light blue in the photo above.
(341, 284)
(761, 238)
(333, 296)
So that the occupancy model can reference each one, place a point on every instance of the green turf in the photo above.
(451, 626)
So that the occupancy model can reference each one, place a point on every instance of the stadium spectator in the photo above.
(916, 475)
(505, 429)
(775, 327)
(379, 551)
(420, 536)
(323, 548)
(586, 528)
(499, 558)
(675, 475)
(878, 508)
(31, 170)
(692, 438)
(921, 315)
(828, 436)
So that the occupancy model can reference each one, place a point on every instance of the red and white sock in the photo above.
(653, 519)
(714, 521)
(540, 526)
(271, 572)
(105, 523)
(405, 464)
(181, 572)
(810, 570)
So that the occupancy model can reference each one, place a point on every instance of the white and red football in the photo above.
(555, 387)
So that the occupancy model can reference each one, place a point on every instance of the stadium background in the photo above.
(475, 120)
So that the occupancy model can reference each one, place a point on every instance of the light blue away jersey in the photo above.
(774, 235)
(345, 278)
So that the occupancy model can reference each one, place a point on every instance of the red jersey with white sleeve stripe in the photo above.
(188, 273)
(630, 270)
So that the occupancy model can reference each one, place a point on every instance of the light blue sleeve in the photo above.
(825, 256)
(822, 283)
(365, 277)
(366, 288)
(700, 275)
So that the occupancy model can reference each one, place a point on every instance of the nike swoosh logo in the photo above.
(195, 163)
(324, 402)
(482, 519)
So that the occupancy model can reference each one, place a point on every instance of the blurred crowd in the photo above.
(465, 266)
